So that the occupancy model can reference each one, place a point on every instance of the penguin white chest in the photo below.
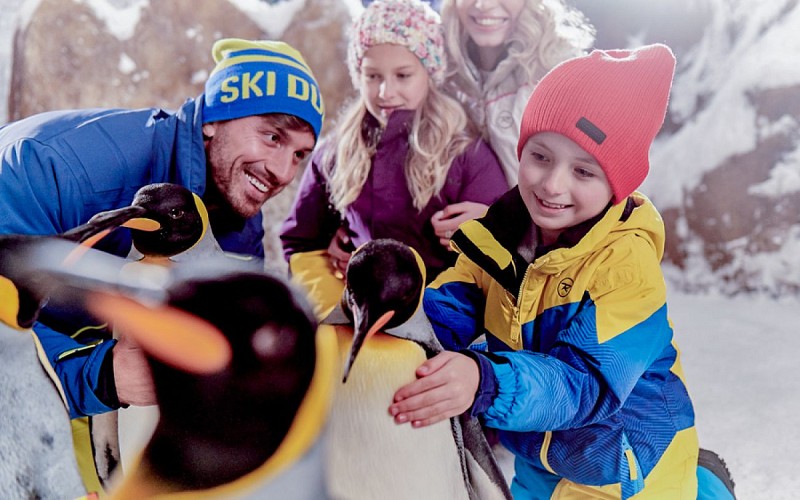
(369, 456)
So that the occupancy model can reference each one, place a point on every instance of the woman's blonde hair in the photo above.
(440, 131)
(545, 33)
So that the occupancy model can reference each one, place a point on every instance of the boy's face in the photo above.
(561, 184)
(392, 78)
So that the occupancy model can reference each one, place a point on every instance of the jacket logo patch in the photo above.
(592, 130)
(565, 286)
(504, 120)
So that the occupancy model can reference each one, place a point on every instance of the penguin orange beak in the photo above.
(170, 335)
(362, 330)
(141, 223)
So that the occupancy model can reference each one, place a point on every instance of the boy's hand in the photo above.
(445, 387)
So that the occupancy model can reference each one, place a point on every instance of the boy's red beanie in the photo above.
(612, 103)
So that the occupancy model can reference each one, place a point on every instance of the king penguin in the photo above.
(383, 337)
(244, 416)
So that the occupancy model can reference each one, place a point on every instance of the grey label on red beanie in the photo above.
(592, 130)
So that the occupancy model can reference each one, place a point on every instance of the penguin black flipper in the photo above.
(480, 466)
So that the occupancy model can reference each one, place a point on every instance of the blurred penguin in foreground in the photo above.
(244, 416)
(242, 379)
(180, 231)
(383, 337)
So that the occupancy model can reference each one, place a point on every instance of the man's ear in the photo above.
(208, 130)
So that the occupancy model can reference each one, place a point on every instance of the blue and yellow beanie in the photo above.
(259, 77)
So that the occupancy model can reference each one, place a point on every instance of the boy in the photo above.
(562, 275)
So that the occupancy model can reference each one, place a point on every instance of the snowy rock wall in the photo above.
(725, 170)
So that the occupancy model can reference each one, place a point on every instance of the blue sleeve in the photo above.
(28, 172)
(85, 371)
(576, 382)
(455, 310)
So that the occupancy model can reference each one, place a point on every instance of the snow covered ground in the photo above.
(740, 357)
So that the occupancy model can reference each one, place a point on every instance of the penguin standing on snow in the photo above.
(241, 410)
(383, 337)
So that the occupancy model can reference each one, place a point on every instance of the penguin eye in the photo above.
(175, 213)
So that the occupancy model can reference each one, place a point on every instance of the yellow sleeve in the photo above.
(314, 273)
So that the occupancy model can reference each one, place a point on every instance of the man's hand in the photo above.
(445, 387)
(445, 222)
(132, 374)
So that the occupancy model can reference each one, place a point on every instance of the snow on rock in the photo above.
(726, 168)
(120, 16)
(126, 64)
(272, 17)
(730, 172)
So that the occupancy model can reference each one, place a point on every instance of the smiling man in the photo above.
(236, 145)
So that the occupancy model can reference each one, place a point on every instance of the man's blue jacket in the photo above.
(58, 169)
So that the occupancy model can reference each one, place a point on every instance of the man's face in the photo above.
(251, 159)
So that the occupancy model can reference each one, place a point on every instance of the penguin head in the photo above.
(270, 329)
(181, 215)
(384, 283)
(235, 402)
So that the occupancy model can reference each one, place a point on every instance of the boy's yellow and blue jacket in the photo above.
(580, 375)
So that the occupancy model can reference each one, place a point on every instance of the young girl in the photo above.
(401, 152)
(581, 377)
(497, 51)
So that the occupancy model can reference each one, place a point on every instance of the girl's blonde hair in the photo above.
(440, 131)
(546, 33)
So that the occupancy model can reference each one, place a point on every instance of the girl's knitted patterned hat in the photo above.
(611, 103)
(410, 23)
(255, 77)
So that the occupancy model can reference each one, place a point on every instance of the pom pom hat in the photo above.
(611, 103)
(260, 77)
(410, 23)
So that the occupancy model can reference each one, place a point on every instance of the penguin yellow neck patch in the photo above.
(9, 303)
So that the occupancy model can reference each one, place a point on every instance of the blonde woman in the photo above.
(401, 153)
(497, 50)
